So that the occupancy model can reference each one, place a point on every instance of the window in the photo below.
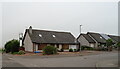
(40, 35)
(65, 46)
(101, 37)
(54, 36)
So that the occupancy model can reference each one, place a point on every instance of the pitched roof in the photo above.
(105, 36)
(88, 38)
(97, 37)
(115, 38)
(45, 36)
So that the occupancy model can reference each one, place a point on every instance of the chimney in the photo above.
(30, 29)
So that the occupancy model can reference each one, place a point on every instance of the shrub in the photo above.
(86, 48)
(21, 52)
(14, 53)
(48, 50)
(75, 50)
(2, 50)
(78, 50)
(71, 50)
(55, 50)
(118, 46)
(82, 47)
(109, 44)
(12, 46)
(90, 48)
(8, 47)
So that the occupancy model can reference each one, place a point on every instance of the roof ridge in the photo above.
(50, 31)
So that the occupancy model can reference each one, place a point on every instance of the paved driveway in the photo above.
(58, 61)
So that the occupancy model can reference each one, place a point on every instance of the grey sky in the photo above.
(60, 16)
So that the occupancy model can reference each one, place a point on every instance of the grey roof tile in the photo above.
(88, 38)
(51, 37)
(97, 37)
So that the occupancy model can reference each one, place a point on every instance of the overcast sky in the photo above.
(61, 16)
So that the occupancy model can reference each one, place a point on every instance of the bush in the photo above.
(75, 50)
(21, 52)
(78, 50)
(48, 50)
(118, 46)
(86, 48)
(12, 46)
(14, 53)
(2, 50)
(55, 50)
(71, 50)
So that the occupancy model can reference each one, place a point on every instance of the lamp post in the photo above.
(20, 38)
(80, 33)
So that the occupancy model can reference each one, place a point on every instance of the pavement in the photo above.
(105, 59)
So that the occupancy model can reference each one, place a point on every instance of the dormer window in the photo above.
(54, 36)
(101, 37)
(40, 35)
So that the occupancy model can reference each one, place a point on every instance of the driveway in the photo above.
(61, 61)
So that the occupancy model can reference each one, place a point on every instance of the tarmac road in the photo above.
(106, 59)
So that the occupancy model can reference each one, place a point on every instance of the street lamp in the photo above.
(20, 38)
(80, 33)
(80, 28)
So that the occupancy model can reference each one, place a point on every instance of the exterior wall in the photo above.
(60, 47)
(73, 46)
(92, 45)
(28, 43)
(83, 41)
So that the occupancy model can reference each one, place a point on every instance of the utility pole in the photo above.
(80, 33)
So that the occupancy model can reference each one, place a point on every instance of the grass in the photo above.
(1, 50)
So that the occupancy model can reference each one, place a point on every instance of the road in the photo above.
(0, 60)
(106, 59)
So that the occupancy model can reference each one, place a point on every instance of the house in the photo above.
(115, 38)
(95, 39)
(36, 40)
(98, 38)
(86, 40)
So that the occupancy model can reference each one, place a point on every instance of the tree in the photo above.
(12, 46)
(109, 44)
(118, 45)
